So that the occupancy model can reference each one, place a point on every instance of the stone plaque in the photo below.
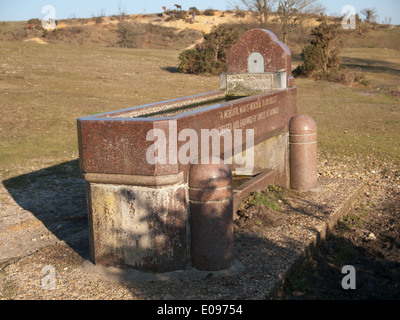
(240, 85)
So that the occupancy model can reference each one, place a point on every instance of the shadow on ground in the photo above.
(170, 69)
(374, 66)
(56, 196)
(376, 278)
(368, 240)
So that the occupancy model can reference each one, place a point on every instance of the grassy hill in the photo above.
(177, 30)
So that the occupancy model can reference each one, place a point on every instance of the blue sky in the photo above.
(26, 9)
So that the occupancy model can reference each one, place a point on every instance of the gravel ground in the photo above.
(45, 225)
(368, 239)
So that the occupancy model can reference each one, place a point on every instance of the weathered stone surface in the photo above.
(276, 55)
(138, 227)
(248, 84)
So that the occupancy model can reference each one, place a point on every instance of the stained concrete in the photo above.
(138, 227)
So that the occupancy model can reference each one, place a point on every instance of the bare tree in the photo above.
(121, 12)
(371, 14)
(292, 13)
(262, 8)
(387, 20)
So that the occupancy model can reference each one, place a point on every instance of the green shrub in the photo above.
(210, 57)
(196, 61)
(322, 58)
(323, 54)
(193, 61)
(311, 56)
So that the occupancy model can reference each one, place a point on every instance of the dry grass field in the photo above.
(44, 89)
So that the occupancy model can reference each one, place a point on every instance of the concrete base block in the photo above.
(134, 276)
(138, 227)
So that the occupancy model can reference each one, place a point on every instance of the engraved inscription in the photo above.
(247, 119)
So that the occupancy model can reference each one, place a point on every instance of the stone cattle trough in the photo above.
(155, 204)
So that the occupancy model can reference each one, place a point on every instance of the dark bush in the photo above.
(311, 56)
(210, 56)
(209, 12)
(240, 14)
(36, 22)
(176, 15)
(98, 20)
(323, 54)
(195, 61)
(322, 58)
(194, 10)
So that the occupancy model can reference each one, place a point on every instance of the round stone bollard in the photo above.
(303, 153)
(211, 215)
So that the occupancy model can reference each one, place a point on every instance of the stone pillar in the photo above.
(211, 215)
(303, 153)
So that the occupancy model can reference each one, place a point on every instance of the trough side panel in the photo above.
(268, 115)
(120, 147)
